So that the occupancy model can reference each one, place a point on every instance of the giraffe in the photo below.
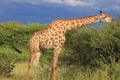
(53, 37)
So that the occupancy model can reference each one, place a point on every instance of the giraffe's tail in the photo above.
(16, 49)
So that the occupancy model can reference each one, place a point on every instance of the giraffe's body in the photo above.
(54, 34)
(53, 37)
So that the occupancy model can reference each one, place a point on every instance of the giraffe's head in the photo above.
(102, 17)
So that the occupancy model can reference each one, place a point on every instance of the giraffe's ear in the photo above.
(101, 12)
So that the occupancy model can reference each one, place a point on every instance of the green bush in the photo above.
(89, 47)
(107, 42)
(7, 64)
(79, 47)
(8, 59)
(14, 35)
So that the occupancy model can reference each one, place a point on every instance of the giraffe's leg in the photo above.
(33, 62)
(30, 63)
(54, 65)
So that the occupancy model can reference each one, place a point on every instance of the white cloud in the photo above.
(35, 2)
(77, 3)
(65, 2)
(70, 2)
(95, 4)
(53, 1)
(111, 5)
(20, 1)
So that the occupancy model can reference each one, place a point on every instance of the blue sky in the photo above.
(45, 11)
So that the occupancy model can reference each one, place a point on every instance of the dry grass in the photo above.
(18, 73)
(67, 73)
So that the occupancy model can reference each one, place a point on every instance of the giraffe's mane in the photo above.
(76, 18)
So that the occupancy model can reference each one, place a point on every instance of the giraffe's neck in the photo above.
(80, 22)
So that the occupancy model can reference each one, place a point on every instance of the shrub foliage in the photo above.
(14, 36)
(86, 47)
(90, 46)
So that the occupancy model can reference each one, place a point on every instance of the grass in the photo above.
(18, 72)
(67, 73)
(64, 72)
